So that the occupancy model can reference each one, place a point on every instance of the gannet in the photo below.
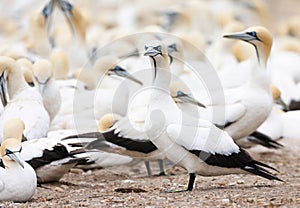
(52, 158)
(111, 139)
(47, 87)
(247, 106)
(195, 144)
(25, 102)
(266, 134)
(17, 178)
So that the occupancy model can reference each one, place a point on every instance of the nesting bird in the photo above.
(17, 178)
(24, 101)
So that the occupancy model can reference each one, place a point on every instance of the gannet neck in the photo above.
(15, 78)
(262, 54)
(162, 76)
(258, 76)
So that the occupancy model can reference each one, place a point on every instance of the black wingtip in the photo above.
(264, 140)
(256, 170)
(262, 172)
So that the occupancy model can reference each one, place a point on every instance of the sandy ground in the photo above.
(128, 186)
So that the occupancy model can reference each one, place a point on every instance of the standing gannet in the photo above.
(24, 101)
(17, 178)
(194, 144)
(47, 87)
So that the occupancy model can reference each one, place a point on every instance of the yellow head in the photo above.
(106, 122)
(42, 71)
(85, 76)
(60, 64)
(275, 92)
(13, 128)
(28, 75)
(104, 63)
(259, 37)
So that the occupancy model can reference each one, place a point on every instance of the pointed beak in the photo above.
(16, 157)
(118, 71)
(3, 90)
(185, 98)
(240, 36)
(280, 102)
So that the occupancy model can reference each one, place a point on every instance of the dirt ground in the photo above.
(128, 186)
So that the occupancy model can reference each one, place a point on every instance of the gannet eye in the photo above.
(179, 93)
(8, 152)
(158, 48)
(253, 33)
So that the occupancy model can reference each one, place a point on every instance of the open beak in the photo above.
(240, 36)
(3, 90)
(181, 97)
(118, 71)
(16, 157)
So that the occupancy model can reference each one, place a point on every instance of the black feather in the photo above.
(236, 160)
(144, 146)
(58, 152)
(264, 140)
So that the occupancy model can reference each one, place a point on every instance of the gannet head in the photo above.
(104, 63)
(106, 122)
(158, 54)
(42, 72)
(10, 152)
(26, 67)
(28, 76)
(13, 128)
(276, 94)
(85, 76)
(259, 37)
(7, 64)
(174, 48)
(60, 62)
(25, 62)
(155, 48)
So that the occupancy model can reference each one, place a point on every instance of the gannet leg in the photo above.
(190, 184)
(147, 164)
(161, 168)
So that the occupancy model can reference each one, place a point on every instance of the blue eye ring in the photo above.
(253, 33)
